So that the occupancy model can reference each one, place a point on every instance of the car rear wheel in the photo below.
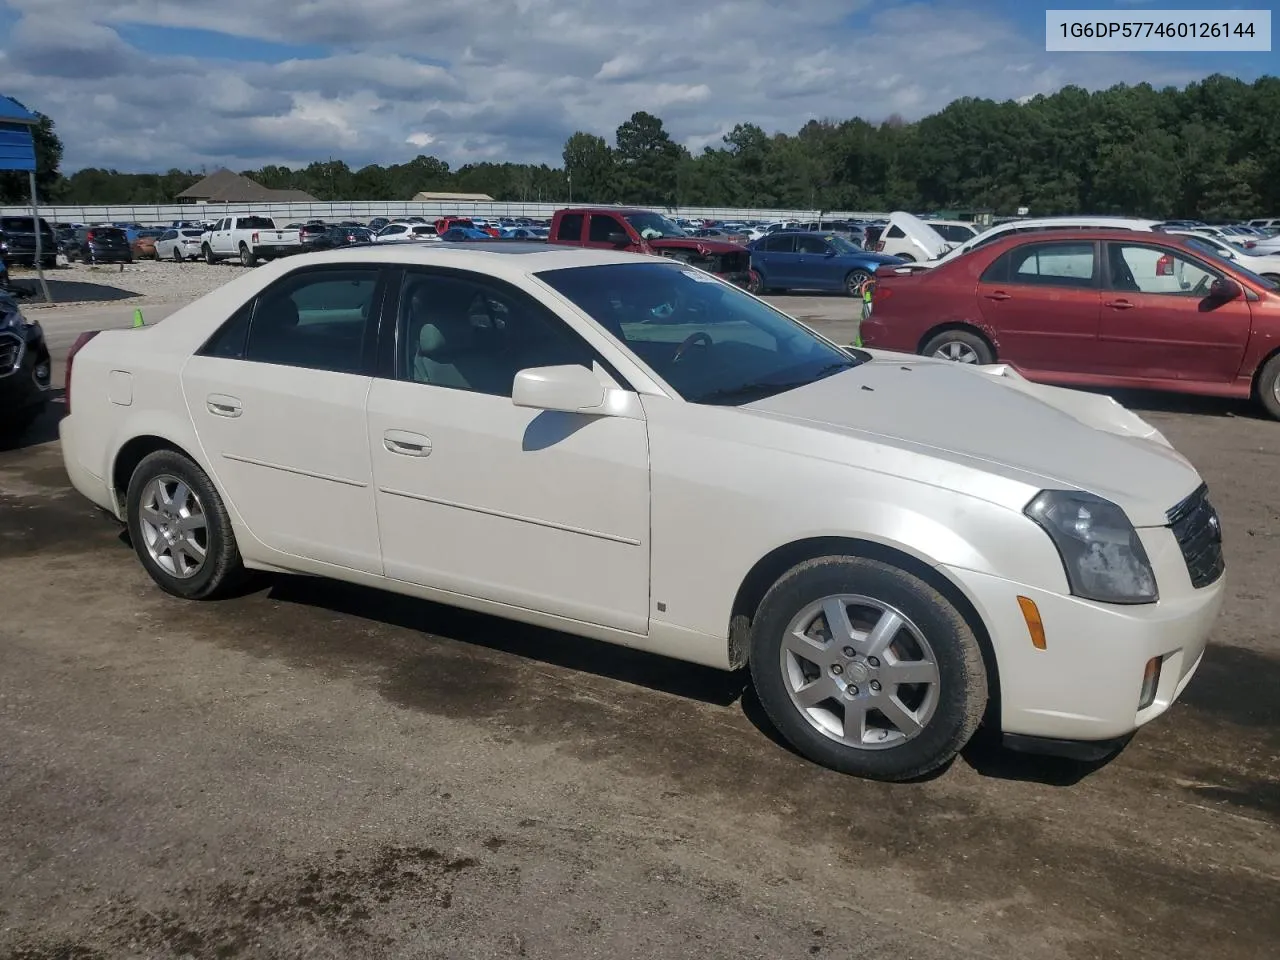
(854, 281)
(247, 257)
(180, 528)
(961, 346)
(177, 254)
(208, 255)
(866, 669)
(905, 256)
(1268, 391)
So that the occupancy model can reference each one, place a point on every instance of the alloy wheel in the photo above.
(174, 528)
(957, 350)
(860, 672)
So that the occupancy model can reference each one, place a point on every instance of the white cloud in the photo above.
(506, 79)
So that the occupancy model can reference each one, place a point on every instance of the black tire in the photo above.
(1273, 277)
(177, 254)
(961, 690)
(854, 280)
(1268, 387)
(247, 257)
(975, 343)
(209, 258)
(905, 256)
(222, 569)
(49, 263)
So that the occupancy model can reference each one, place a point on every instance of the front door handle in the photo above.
(407, 444)
(999, 295)
(220, 405)
(1120, 304)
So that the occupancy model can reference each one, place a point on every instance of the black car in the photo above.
(312, 235)
(21, 234)
(24, 371)
(341, 236)
(100, 245)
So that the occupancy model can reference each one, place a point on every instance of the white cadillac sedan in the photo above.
(626, 448)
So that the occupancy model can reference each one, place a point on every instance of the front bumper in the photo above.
(1086, 685)
(24, 371)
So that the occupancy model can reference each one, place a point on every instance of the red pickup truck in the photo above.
(643, 231)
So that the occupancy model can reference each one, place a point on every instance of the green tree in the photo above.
(589, 160)
(648, 161)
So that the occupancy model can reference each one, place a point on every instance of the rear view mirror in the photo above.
(566, 389)
(1225, 289)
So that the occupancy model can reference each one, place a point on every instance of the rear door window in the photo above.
(1053, 265)
(570, 227)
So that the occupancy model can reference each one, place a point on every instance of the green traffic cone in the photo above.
(137, 318)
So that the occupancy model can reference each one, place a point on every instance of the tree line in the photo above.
(1209, 150)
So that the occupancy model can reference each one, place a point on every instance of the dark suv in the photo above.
(21, 235)
(24, 371)
(100, 245)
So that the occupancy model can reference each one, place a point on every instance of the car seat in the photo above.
(1121, 275)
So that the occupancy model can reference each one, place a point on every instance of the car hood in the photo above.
(704, 246)
(870, 256)
(927, 239)
(991, 419)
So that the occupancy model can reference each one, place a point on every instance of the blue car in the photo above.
(464, 233)
(791, 260)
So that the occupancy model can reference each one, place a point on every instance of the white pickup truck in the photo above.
(249, 239)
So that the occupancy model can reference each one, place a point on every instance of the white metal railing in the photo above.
(367, 209)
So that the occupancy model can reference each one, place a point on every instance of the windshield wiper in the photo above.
(759, 389)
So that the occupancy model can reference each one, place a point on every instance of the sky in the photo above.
(152, 84)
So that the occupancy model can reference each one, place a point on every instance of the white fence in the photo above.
(366, 210)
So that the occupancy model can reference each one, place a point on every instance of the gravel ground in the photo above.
(137, 283)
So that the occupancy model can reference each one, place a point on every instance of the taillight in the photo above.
(80, 341)
(879, 293)
(89, 237)
(1164, 266)
(254, 237)
(879, 248)
(1249, 244)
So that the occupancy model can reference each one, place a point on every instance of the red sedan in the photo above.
(1097, 308)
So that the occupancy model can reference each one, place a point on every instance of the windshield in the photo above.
(653, 226)
(843, 245)
(710, 341)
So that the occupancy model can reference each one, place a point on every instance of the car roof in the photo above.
(496, 257)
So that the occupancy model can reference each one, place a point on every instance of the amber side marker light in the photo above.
(1035, 626)
(1150, 682)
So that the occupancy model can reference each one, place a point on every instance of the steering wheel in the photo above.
(1202, 288)
(700, 337)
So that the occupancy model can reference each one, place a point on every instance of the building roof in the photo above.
(10, 112)
(225, 186)
(446, 196)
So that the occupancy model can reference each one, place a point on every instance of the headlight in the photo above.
(1101, 552)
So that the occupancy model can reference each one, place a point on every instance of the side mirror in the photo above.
(619, 239)
(1225, 289)
(566, 389)
(830, 252)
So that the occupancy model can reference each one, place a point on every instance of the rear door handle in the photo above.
(407, 444)
(220, 405)
(999, 295)
(1119, 304)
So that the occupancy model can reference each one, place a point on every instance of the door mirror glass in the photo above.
(566, 389)
(1224, 289)
(619, 239)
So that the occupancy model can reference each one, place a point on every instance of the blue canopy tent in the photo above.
(18, 153)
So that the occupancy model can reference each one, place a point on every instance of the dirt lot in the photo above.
(320, 771)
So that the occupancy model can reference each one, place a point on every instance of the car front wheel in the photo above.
(180, 528)
(1269, 387)
(866, 669)
(960, 346)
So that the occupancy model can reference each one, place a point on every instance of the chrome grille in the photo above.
(10, 353)
(1197, 529)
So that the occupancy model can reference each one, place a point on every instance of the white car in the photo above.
(406, 231)
(180, 244)
(626, 448)
(1002, 230)
(1263, 264)
(909, 238)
